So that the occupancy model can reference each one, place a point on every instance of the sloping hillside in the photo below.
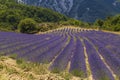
(12, 13)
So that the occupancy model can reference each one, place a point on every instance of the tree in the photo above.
(117, 27)
(27, 25)
(99, 23)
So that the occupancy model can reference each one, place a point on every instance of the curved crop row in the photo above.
(63, 49)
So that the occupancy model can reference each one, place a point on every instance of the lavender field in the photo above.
(85, 53)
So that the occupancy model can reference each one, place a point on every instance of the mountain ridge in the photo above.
(84, 10)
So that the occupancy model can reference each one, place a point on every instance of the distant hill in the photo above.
(86, 10)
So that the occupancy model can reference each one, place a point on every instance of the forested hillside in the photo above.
(30, 19)
(13, 15)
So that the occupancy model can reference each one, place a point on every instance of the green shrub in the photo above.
(13, 56)
(11, 71)
(55, 70)
(1, 53)
(19, 61)
(27, 25)
(1, 67)
(78, 73)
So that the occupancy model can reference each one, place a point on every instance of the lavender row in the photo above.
(19, 46)
(78, 65)
(44, 48)
(35, 48)
(110, 58)
(98, 68)
(50, 54)
(61, 62)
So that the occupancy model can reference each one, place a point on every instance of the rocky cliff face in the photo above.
(86, 10)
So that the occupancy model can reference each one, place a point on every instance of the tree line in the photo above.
(110, 23)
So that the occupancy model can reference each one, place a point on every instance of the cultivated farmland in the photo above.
(85, 53)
